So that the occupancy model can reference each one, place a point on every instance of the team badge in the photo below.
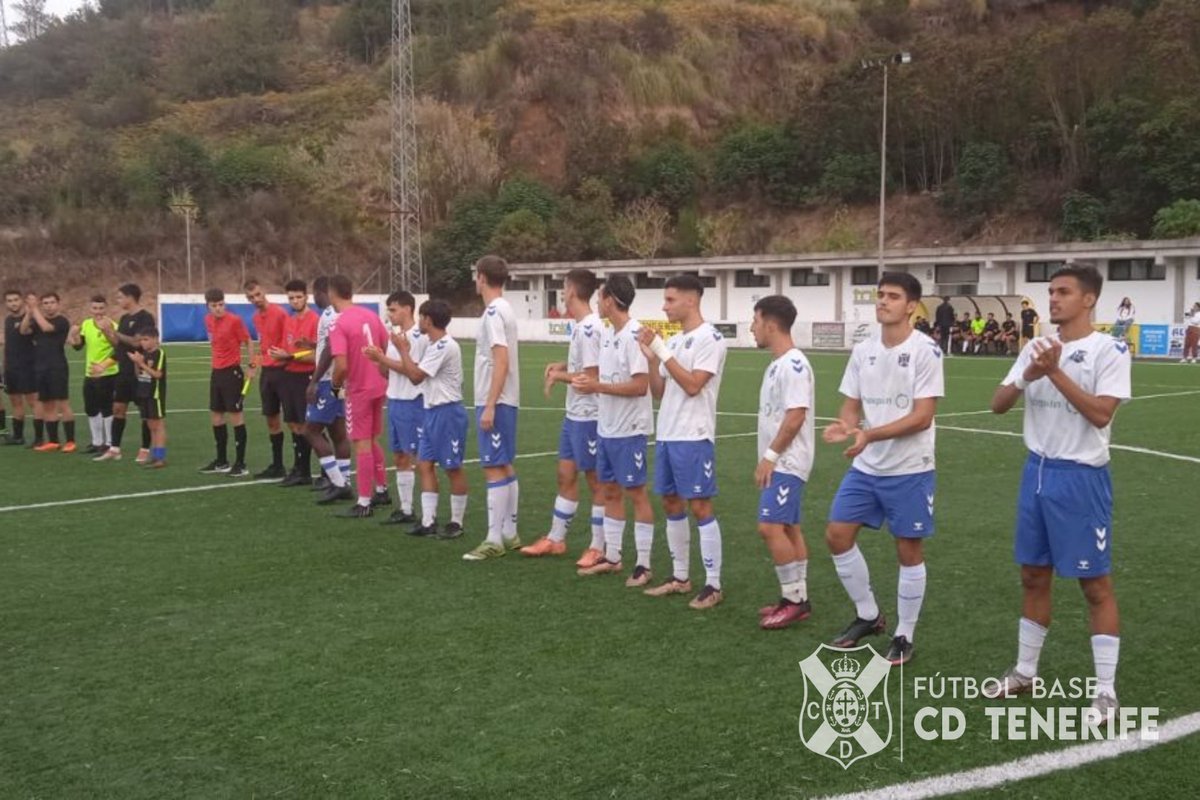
(845, 715)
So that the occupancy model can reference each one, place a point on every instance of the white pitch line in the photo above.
(234, 484)
(1125, 447)
(1021, 769)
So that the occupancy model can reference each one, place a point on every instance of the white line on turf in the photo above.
(1021, 769)
(1127, 448)
(234, 484)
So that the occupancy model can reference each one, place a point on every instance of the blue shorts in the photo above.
(622, 460)
(905, 501)
(685, 469)
(405, 418)
(444, 436)
(328, 409)
(1064, 518)
(781, 503)
(498, 447)
(578, 442)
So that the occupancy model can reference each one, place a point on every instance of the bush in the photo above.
(363, 29)
(249, 168)
(1082, 217)
(521, 236)
(525, 194)
(670, 173)
(238, 51)
(982, 179)
(172, 161)
(850, 177)
(1180, 220)
(759, 161)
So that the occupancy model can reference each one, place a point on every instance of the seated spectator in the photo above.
(1008, 334)
(965, 337)
(923, 326)
(991, 334)
(977, 325)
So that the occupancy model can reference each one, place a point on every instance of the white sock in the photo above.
(1030, 638)
(560, 520)
(429, 504)
(910, 593)
(406, 481)
(458, 508)
(643, 537)
(597, 527)
(614, 532)
(856, 578)
(679, 542)
(107, 422)
(512, 494)
(793, 583)
(329, 465)
(96, 426)
(710, 551)
(1105, 650)
(343, 465)
(497, 507)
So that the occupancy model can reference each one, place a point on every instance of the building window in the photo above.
(516, 285)
(554, 283)
(864, 276)
(946, 274)
(644, 280)
(746, 279)
(1136, 269)
(1041, 271)
(805, 276)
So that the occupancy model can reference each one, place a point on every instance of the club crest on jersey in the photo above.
(1079, 356)
(903, 360)
(687, 343)
(870, 361)
(845, 715)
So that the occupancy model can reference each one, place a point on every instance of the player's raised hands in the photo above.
(1045, 354)
(398, 337)
(860, 443)
(373, 353)
(585, 383)
(835, 432)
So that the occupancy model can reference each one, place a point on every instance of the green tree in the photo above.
(1180, 220)
(850, 177)
(238, 51)
(982, 178)
(1083, 217)
(521, 236)
(669, 172)
(759, 161)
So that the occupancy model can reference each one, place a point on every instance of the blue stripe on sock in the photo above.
(701, 523)
(561, 515)
(677, 517)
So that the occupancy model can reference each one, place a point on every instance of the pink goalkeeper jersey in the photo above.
(356, 328)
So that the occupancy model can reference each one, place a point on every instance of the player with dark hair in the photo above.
(405, 405)
(891, 387)
(325, 411)
(624, 418)
(786, 446)
(49, 329)
(1029, 321)
(19, 382)
(270, 322)
(443, 439)
(151, 363)
(578, 439)
(497, 398)
(685, 373)
(227, 385)
(100, 372)
(296, 356)
(356, 330)
(1073, 384)
(124, 339)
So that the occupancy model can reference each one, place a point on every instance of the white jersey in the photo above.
(498, 326)
(399, 386)
(583, 353)
(620, 359)
(788, 384)
(442, 365)
(888, 381)
(691, 419)
(324, 326)
(1100, 365)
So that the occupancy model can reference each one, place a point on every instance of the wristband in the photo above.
(660, 349)
(771, 456)
(1021, 383)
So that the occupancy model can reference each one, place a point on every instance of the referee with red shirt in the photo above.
(226, 390)
(270, 321)
(300, 337)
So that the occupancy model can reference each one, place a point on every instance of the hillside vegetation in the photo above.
(567, 129)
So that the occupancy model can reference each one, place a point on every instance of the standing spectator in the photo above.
(49, 329)
(1191, 339)
(944, 317)
(1125, 315)
(1029, 321)
(18, 369)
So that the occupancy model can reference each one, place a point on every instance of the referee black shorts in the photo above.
(271, 388)
(225, 390)
(19, 380)
(53, 384)
(293, 388)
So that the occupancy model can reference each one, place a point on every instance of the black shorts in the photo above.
(293, 388)
(125, 387)
(154, 407)
(98, 395)
(270, 389)
(53, 384)
(19, 380)
(1027, 332)
(225, 390)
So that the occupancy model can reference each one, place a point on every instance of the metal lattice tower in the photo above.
(407, 268)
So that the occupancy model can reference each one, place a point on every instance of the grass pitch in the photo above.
(231, 639)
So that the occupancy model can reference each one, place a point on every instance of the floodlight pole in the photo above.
(898, 58)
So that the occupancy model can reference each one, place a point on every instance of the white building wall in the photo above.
(813, 302)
